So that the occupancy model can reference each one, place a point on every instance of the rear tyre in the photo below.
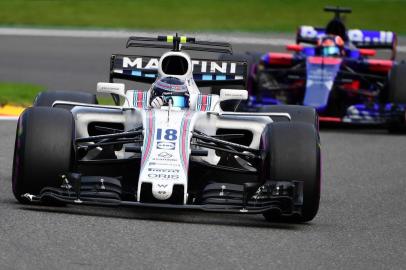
(397, 84)
(46, 99)
(297, 113)
(43, 149)
(397, 95)
(294, 154)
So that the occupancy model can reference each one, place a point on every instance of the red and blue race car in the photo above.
(332, 69)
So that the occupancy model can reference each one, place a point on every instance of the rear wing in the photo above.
(178, 43)
(360, 38)
(140, 68)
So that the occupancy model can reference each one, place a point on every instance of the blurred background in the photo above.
(208, 15)
(39, 50)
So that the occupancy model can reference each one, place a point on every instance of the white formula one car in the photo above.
(170, 146)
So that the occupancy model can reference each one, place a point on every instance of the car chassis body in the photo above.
(199, 158)
(349, 89)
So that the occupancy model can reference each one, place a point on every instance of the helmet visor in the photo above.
(179, 101)
(332, 50)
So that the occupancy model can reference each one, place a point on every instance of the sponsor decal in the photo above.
(163, 170)
(215, 67)
(165, 159)
(321, 74)
(163, 176)
(137, 63)
(165, 155)
(310, 32)
(166, 138)
(166, 145)
(367, 37)
(355, 35)
(153, 163)
(205, 66)
(233, 95)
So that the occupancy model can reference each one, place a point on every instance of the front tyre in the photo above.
(297, 113)
(43, 149)
(47, 98)
(294, 154)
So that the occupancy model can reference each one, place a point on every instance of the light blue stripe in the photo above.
(199, 103)
(207, 77)
(145, 102)
(150, 75)
(208, 103)
(135, 98)
(136, 73)
(220, 77)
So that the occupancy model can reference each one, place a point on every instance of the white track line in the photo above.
(8, 118)
(236, 38)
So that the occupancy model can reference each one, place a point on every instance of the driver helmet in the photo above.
(331, 46)
(171, 89)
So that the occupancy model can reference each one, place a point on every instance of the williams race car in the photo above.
(170, 146)
(335, 75)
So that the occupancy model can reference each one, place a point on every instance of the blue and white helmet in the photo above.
(171, 89)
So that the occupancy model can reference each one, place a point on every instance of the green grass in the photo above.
(18, 93)
(22, 94)
(195, 15)
(105, 100)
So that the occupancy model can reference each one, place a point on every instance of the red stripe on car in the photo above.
(280, 58)
(324, 60)
(380, 65)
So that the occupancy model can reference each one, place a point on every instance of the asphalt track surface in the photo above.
(360, 224)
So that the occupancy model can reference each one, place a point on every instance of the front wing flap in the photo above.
(284, 197)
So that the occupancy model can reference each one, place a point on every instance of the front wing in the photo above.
(285, 197)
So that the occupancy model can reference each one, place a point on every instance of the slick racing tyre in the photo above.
(397, 84)
(397, 95)
(46, 99)
(43, 149)
(297, 113)
(294, 154)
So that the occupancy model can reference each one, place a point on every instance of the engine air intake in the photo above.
(175, 65)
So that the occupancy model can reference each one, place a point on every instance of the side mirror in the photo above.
(233, 94)
(111, 88)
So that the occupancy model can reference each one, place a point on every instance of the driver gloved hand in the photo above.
(157, 102)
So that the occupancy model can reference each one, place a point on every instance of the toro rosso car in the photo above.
(335, 74)
(170, 146)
